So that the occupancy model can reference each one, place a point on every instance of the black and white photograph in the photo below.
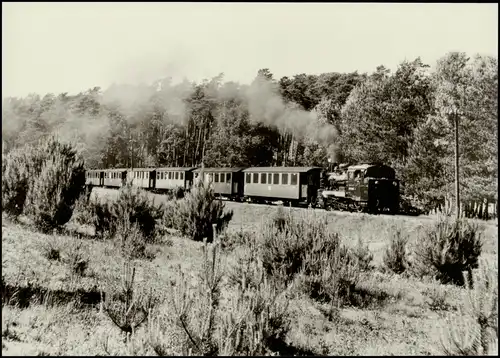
(249, 179)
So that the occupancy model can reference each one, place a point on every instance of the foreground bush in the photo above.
(198, 211)
(253, 320)
(132, 205)
(448, 249)
(475, 330)
(53, 195)
(82, 214)
(395, 258)
(328, 270)
(14, 182)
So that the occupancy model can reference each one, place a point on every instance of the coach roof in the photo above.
(281, 169)
(142, 169)
(218, 170)
(175, 169)
(115, 170)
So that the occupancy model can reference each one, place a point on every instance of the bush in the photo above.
(230, 240)
(56, 178)
(52, 197)
(363, 256)
(134, 205)
(395, 254)
(178, 192)
(474, 331)
(448, 249)
(82, 214)
(130, 239)
(327, 268)
(198, 211)
(14, 182)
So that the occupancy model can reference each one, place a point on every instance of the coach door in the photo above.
(152, 179)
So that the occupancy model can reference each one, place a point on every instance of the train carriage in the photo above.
(170, 178)
(142, 177)
(296, 185)
(227, 182)
(115, 177)
(94, 177)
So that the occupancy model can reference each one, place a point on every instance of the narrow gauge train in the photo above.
(368, 187)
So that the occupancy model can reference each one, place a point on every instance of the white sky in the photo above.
(70, 47)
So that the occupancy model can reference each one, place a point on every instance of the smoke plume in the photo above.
(268, 107)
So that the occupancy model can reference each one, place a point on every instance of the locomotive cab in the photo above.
(373, 187)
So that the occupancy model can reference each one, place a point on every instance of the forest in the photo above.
(404, 119)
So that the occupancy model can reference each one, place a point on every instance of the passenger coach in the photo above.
(227, 182)
(170, 178)
(115, 177)
(294, 185)
(94, 177)
(142, 177)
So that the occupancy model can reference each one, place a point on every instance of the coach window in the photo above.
(293, 179)
(169, 175)
(263, 177)
(176, 175)
(216, 177)
(248, 178)
(255, 178)
(222, 177)
(147, 175)
(228, 177)
(284, 178)
(181, 175)
(269, 178)
(276, 178)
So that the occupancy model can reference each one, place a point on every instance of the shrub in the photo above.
(50, 249)
(362, 254)
(178, 192)
(76, 259)
(134, 205)
(231, 240)
(395, 254)
(198, 211)
(82, 213)
(125, 308)
(257, 320)
(14, 182)
(327, 268)
(448, 249)
(280, 218)
(197, 315)
(56, 182)
(475, 330)
(130, 239)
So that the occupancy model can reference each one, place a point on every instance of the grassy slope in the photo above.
(403, 324)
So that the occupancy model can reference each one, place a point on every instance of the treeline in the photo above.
(403, 119)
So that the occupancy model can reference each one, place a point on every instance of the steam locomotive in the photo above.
(365, 187)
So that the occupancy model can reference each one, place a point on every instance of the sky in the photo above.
(71, 47)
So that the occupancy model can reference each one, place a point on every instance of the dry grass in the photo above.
(405, 322)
